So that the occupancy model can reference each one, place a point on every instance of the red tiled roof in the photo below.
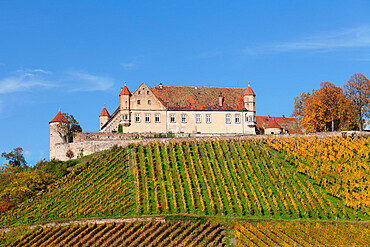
(111, 117)
(287, 123)
(272, 124)
(200, 98)
(104, 113)
(125, 91)
(249, 91)
(59, 118)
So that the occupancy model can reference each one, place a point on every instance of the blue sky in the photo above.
(75, 55)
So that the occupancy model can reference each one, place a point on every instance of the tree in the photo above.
(299, 106)
(68, 129)
(327, 108)
(15, 157)
(358, 90)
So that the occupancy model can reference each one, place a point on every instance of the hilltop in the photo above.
(228, 188)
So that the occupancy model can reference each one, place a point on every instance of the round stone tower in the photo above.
(55, 136)
(124, 100)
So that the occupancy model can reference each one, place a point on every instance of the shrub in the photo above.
(70, 154)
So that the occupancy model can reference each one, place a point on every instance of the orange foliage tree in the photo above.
(327, 108)
(299, 106)
(358, 90)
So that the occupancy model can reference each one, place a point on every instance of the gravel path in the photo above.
(92, 221)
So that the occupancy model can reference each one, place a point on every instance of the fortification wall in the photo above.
(94, 142)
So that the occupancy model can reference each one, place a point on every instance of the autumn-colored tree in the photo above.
(358, 90)
(327, 109)
(15, 158)
(68, 129)
(299, 106)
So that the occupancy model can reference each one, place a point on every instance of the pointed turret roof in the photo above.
(125, 91)
(273, 124)
(104, 113)
(249, 91)
(59, 118)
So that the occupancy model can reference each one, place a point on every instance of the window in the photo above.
(147, 118)
(157, 119)
(137, 118)
(208, 118)
(237, 118)
(138, 92)
(172, 118)
(183, 118)
(126, 116)
(197, 118)
(149, 102)
(138, 102)
(147, 92)
(250, 119)
(228, 118)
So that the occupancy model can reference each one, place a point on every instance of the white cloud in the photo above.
(75, 81)
(324, 42)
(128, 65)
(83, 81)
(24, 80)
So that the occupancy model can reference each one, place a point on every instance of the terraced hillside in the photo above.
(302, 234)
(184, 233)
(221, 180)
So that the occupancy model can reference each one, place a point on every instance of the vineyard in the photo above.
(180, 233)
(103, 189)
(302, 234)
(339, 165)
(225, 184)
(227, 178)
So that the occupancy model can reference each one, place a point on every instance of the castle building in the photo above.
(178, 109)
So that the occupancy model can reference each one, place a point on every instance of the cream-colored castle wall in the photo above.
(217, 125)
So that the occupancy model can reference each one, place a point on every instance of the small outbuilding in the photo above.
(273, 128)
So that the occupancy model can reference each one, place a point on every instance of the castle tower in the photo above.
(250, 106)
(124, 100)
(103, 117)
(55, 137)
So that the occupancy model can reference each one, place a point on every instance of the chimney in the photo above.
(220, 99)
(283, 116)
(160, 85)
(268, 116)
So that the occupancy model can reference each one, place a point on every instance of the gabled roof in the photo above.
(249, 91)
(200, 98)
(287, 123)
(272, 124)
(104, 113)
(59, 118)
(125, 91)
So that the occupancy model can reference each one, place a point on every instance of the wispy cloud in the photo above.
(24, 80)
(323, 42)
(72, 81)
(83, 81)
(130, 65)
